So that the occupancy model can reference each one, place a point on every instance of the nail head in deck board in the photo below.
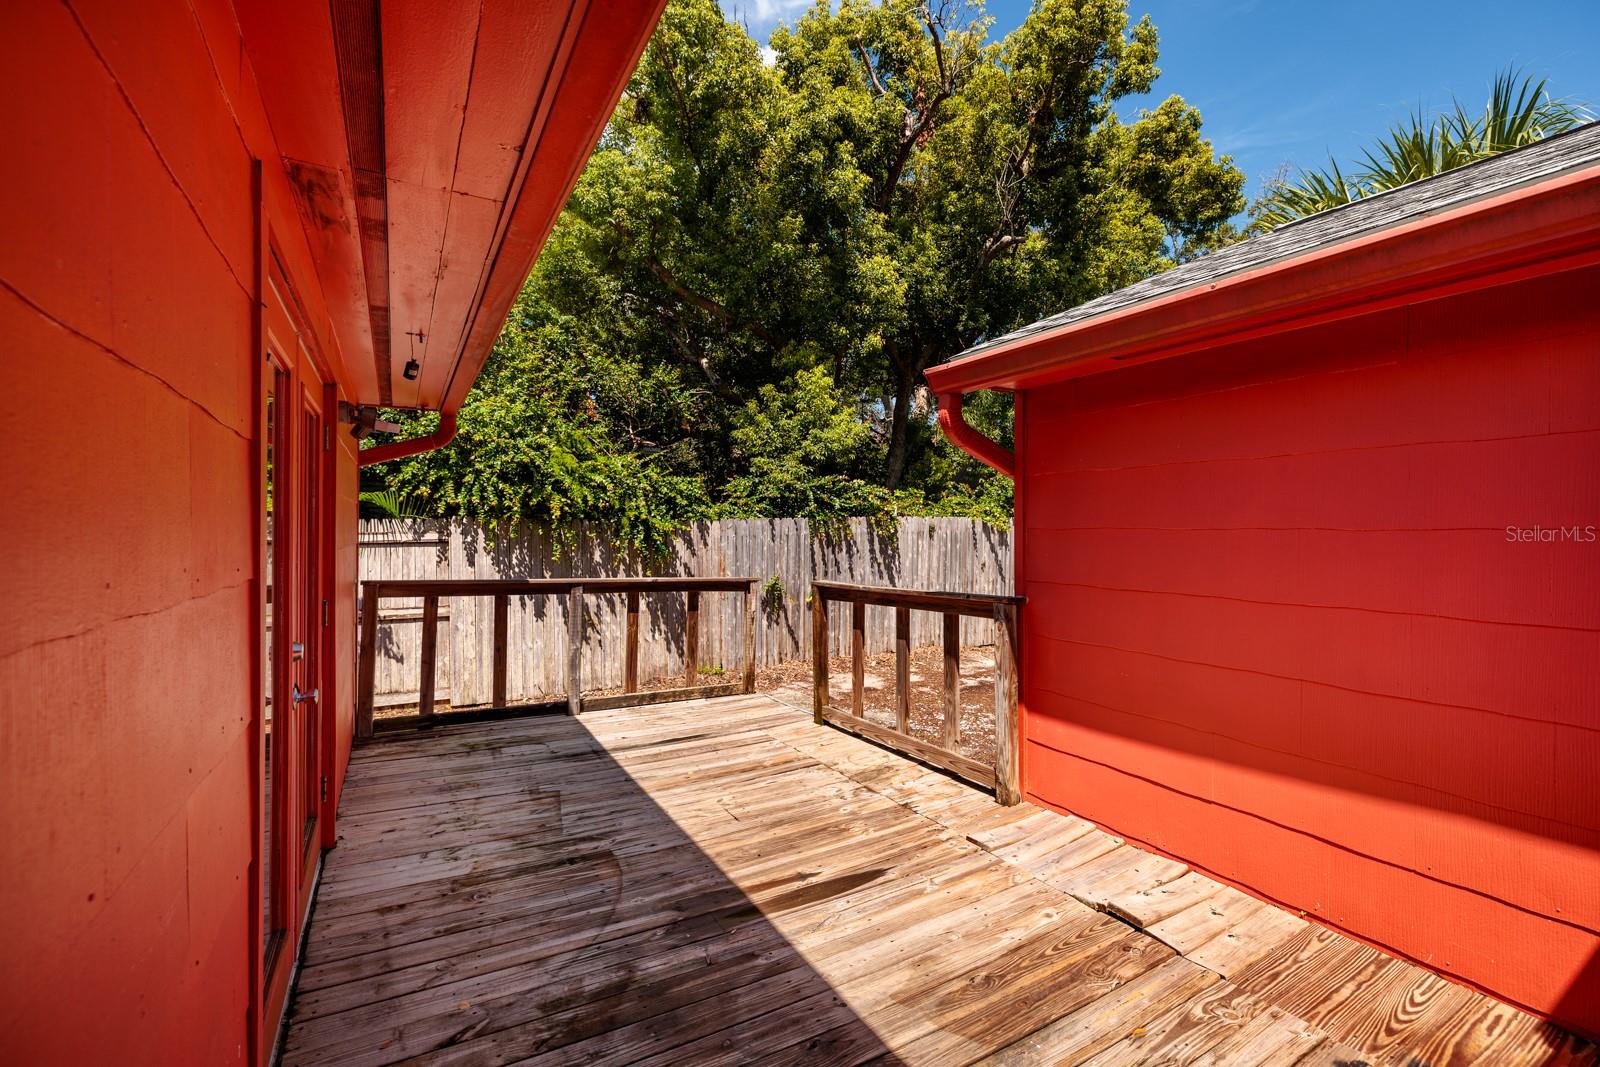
(1117, 873)
(1147, 905)
(1195, 925)
(1234, 949)
(1275, 1038)
(810, 868)
(1185, 1032)
(1101, 1024)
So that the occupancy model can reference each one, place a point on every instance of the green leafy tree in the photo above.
(799, 444)
(759, 262)
(532, 444)
(893, 190)
(1520, 111)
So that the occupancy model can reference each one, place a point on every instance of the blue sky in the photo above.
(1291, 81)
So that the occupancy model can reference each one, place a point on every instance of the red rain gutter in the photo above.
(959, 433)
(1542, 228)
(401, 449)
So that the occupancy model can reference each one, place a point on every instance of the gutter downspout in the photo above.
(401, 449)
(970, 441)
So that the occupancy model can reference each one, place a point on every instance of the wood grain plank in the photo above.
(430, 645)
(630, 670)
(691, 638)
(574, 650)
(819, 657)
(858, 659)
(952, 680)
(718, 881)
(1082, 1034)
(502, 616)
(902, 669)
(1007, 725)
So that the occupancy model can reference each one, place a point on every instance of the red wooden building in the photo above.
(1307, 531)
(226, 231)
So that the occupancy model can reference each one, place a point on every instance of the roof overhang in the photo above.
(1542, 228)
(431, 145)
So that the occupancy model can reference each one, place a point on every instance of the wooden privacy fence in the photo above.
(784, 555)
(574, 590)
(951, 609)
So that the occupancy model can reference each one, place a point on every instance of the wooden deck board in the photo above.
(724, 882)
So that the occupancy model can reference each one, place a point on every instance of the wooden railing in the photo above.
(574, 589)
(1003, 776)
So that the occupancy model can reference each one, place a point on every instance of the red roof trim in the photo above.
(1543, 228)
(594, 68)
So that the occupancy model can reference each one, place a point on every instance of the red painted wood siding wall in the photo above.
(127, 627)
(1275, 626)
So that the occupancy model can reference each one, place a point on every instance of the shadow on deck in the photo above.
(723, 882)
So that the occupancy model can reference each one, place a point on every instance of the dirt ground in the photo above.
(792, 681)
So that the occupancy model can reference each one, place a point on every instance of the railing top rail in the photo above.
(978, 604)
(523, 586)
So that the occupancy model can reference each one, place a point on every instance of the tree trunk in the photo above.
(900, 423)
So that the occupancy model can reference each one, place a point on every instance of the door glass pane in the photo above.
(311, 631)
(269, 923)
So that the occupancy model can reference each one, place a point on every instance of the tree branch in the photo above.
(685, 340)
(710, 306)
(872, 72)
(999, 243)
(918, 119)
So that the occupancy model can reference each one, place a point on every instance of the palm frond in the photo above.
(1313, 191)
(1519, 111)
(391, 503)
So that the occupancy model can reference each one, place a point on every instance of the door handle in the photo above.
(300, 697)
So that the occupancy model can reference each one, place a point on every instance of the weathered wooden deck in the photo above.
(723, 882)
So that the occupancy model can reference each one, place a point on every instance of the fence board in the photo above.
(956, 555)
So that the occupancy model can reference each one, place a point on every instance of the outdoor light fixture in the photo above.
(364, 420)
(413, 368)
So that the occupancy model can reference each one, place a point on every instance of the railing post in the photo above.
(750, 637)
(691, 640)
(858, 659)
(430, 646)
(819, 655)
(502, 608)
(630, 665)
(370, 593)
(902, 670)
(574, 650)
(1007, 728)
(952, 680)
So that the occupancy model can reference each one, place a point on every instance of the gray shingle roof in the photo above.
(1557, 155)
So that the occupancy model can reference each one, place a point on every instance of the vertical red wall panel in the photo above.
(346, 529)
(127, 295)
(1277, 625)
